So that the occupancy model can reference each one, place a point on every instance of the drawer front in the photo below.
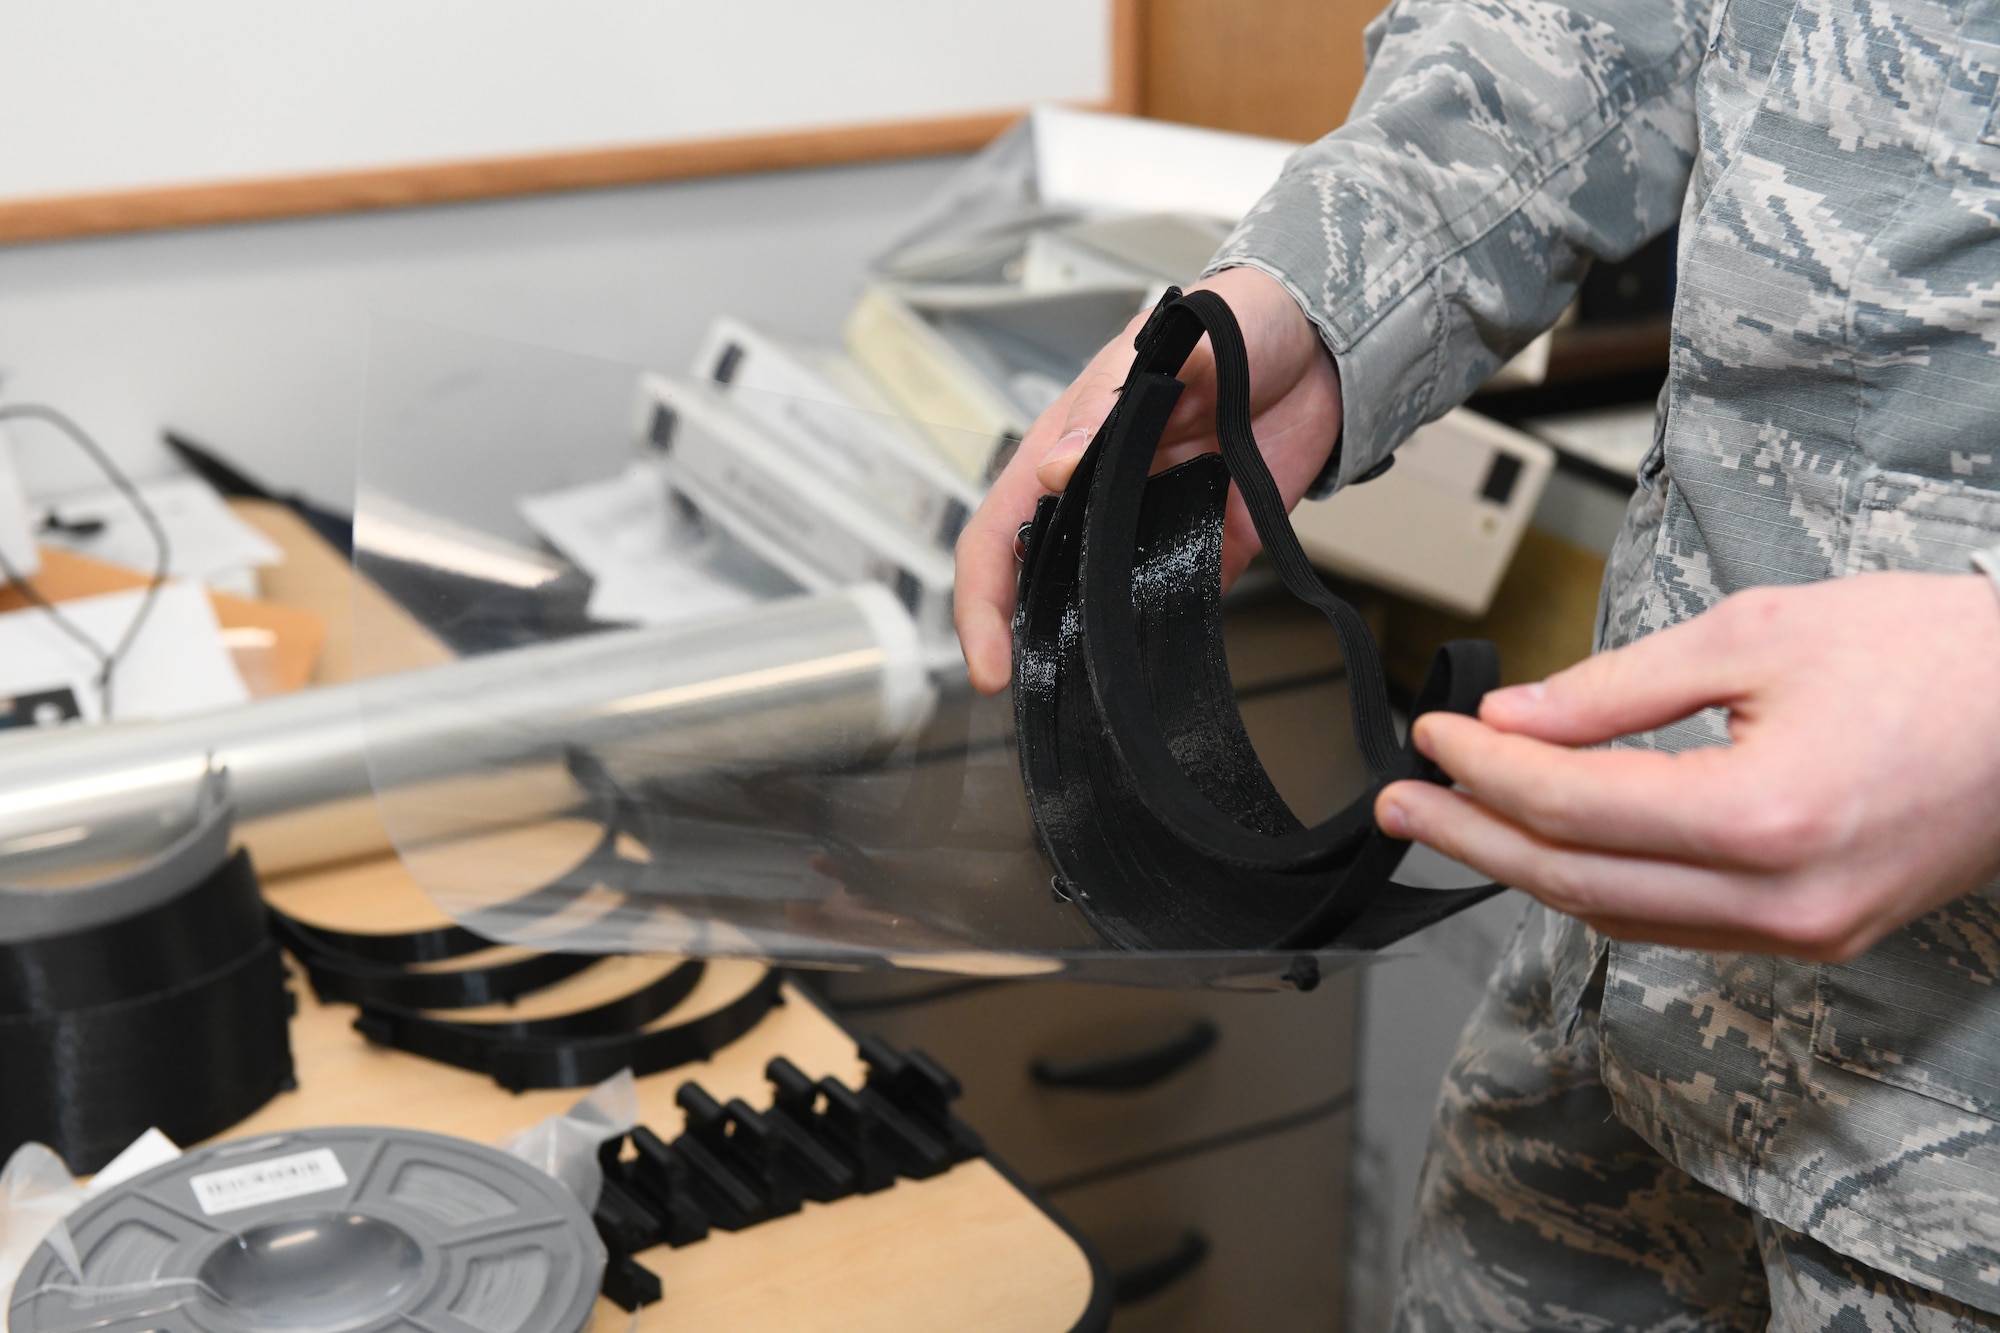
(1062, 1078)
(1272, 1214)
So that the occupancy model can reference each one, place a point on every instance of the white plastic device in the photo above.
(1442, 524)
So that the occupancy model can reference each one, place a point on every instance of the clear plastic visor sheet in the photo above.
(651, 678)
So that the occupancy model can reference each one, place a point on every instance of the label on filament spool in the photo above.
(350, 1230)
(268, 1182)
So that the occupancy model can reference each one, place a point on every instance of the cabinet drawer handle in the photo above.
(1149, 1277)
(1129, 1071)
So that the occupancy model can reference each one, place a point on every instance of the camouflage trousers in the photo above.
(1539, 1209)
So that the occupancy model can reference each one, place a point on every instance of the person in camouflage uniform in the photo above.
(1741, 1067)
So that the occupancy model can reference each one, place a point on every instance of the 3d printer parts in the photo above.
(1163, 826)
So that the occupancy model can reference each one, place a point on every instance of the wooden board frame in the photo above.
(161, 208)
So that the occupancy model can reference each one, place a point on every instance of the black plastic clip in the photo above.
(910, 1095)
(661, 1178)
(732, 1158)
(819, 1161)
(848, 1121)
(735, 1167)
(625, 1221)
(629, 1284)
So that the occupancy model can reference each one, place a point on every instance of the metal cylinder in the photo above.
(809, 680)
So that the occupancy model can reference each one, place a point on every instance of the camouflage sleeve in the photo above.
(1496, 147)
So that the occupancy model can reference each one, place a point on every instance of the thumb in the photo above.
(1704, 662)
(1059, 464)
(1095, 395)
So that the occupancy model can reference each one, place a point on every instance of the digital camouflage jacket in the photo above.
(1833, 407)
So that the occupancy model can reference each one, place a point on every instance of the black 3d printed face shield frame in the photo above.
(1161, 822)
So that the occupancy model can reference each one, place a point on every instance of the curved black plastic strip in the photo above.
(622, 1016)
(1115, 659)
(518, 1063)
(343, 980)
(1131, 877)
(360, 968)
(1162, 823)
(436, 945)
(116, 1035)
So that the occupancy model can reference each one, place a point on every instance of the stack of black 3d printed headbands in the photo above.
(433, 993)
(152, 996)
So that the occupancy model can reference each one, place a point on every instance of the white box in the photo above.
(820, 404)
(976, 364)
(1441, 525)
(727, 464)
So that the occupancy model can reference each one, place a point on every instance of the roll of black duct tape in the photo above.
(361, 1230)
(154, 997)
(1162, 824)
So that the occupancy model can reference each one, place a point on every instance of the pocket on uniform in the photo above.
(1924, 524)
(1921, 1010)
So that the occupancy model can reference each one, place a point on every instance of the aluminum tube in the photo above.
(822, 679)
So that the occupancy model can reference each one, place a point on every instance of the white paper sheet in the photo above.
(177, 665)
(205, 538)
(647, 562)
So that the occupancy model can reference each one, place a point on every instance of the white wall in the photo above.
(104, 95)
(253, 338)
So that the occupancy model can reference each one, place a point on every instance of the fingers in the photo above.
(1296, 396)
(1089, 401)
(1720, 805)
(1060, 465)
(983, 604)
(984, 587)
(1634, 897)
(1715, 659)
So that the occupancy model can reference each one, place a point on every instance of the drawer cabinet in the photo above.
(1199, 1138)
(1246, 1236)
(1064, 1078)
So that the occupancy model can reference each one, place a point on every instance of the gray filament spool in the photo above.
(347, 1230)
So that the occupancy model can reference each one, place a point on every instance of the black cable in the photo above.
(107, 661)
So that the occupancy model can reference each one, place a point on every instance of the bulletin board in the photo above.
(120, 117)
